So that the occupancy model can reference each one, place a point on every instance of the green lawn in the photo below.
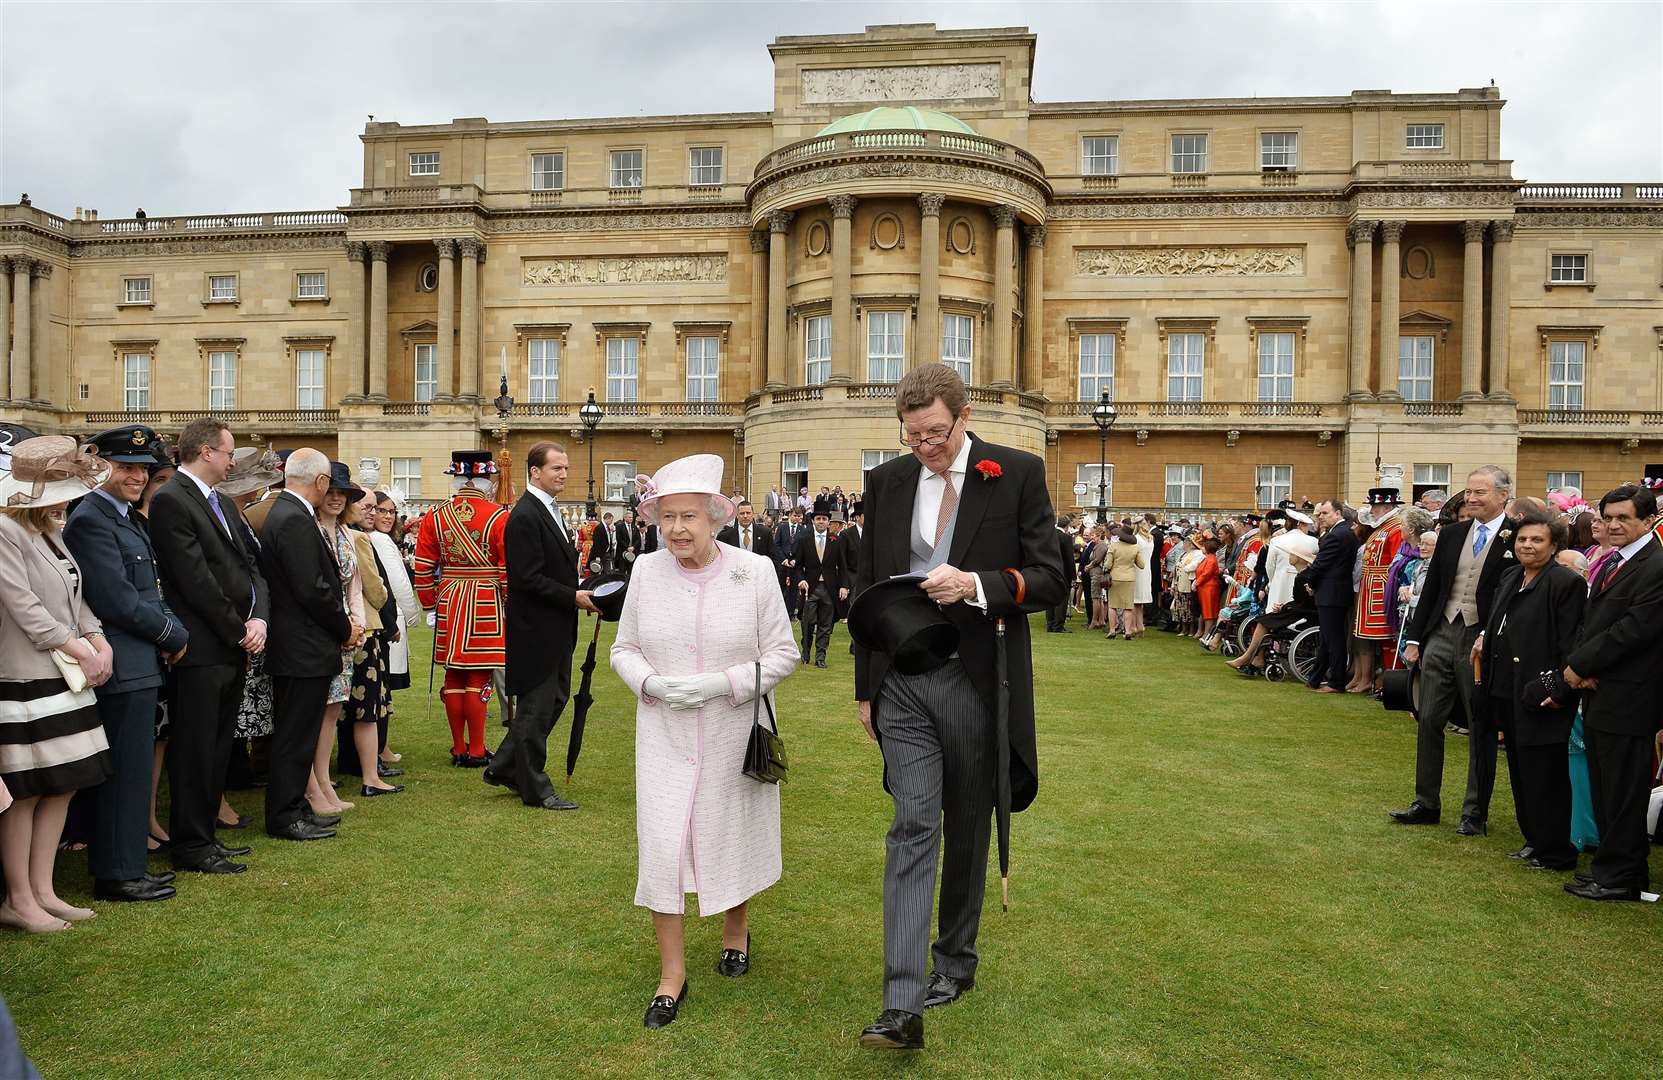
(1207, 886)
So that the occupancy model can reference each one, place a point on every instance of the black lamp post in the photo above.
(504, 404)
(590, 413)
(1103, 415)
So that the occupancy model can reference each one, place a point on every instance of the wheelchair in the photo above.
(1293, 649)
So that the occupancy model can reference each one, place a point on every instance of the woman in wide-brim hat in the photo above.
(51, 741)
(337, 512)
(703, 633)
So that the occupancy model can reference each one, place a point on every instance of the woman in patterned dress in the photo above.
(369, 701)
(320, 790)
(159, 475)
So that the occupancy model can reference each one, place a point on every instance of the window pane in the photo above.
(885, 344)
(1275, 483)
(1096, 366)
(407, 477)
(1425, 136)
(136, 372)
(222, 380)
(222, 286)
(543, 374)
(622, 359)
(956, 334)
(1183, 486)
(308, 378)
(1189, 153)
(817, 351)
(424, 164)
(1275, 367)
(309, 286)
(1278, 150)
(548, 172)
(703, 382)
(1414, 368)
(1100, 155)
(705, 165)
(626, 168)
(427, 372)
(1185, 354)
(138, 290)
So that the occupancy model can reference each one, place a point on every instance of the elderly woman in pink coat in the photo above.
(699, 619)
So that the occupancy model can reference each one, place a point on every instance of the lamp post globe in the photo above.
(1103, 414)
(504, 404)
(590, 412)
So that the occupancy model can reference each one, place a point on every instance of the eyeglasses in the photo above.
(932, 439)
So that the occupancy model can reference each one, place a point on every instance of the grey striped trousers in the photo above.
(937, 738)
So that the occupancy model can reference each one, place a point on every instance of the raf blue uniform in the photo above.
(118, 573)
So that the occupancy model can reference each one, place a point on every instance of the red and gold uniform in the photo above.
(460, 573)
(1248, 559)
(1379, 550)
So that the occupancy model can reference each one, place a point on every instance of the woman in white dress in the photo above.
(398, 583)
(703, 625)
(1143, 591)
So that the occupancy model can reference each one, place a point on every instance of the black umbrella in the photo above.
(580, 705)
(1001, 729)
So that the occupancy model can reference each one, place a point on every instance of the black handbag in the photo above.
(765, 754)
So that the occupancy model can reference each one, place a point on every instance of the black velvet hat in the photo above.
(340, 479)
(898, 618)
(608, 591)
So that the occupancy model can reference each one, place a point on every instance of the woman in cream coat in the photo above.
(699, 618)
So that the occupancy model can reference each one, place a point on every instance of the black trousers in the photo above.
(122, 813)
(201, 723)
(1332, 659)
(1619, 771)
(522, 756)
(819, 616)
(297, 710)
(1541, 777)
(1057, 618)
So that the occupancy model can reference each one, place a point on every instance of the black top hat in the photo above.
(857, 508)
(131, 444)
(1287, 504)
(608, 592)
(1384, 496)
(340, 479)
(899, 618)
(1400, 690)
(471, 463)
(1252, 519)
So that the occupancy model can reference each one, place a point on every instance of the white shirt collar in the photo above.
(1633, 549)
(310, 509)
(543, 497)
(961, 462)
(1494, 525)
(207, 489)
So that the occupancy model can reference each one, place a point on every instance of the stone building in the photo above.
(1276, 293)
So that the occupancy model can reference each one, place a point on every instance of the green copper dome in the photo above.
(905, 118)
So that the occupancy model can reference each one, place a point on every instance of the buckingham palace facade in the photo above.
(1277, 293)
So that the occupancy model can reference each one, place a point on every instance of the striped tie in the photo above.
(949, 506)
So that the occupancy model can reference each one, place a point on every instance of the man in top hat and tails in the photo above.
(1372, 625)
(816, 558)
(976, 518)
(461, 572)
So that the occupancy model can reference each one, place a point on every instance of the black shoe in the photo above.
(1558, 868)
(471, 762)
(944, 989)
(371, 792)
(1472, 827)
(135, 890)
(321, 821)
(457, 759)
(302, 829)
(386, 771)
(1416, 814)
(894, 1029)
(1593, 890)
(819, 663)
(214, 864)
(735, 962)
(662, 1011)
(496, 779)
(226, 852)
(164, 878)
(1523, 854)
(242, 822)
(555, 802)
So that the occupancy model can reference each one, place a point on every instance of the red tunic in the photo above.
(461, 545)
(1248, 559)
(1378, 552)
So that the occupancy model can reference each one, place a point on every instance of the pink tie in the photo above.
(949, 505)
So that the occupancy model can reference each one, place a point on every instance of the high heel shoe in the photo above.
(662, 1012)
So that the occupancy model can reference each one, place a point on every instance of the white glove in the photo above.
(693, 691)
(656, 686)
(433, 618)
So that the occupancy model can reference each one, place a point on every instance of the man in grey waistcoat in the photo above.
(976, 518)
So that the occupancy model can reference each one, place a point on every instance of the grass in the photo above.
(1207, 886)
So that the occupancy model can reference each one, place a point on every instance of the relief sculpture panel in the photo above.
(1282, 261)
(625, 269)
(925, 82)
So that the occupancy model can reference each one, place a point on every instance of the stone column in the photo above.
(844, 350)
(469, 248)
(22, 342)
(779, 226)
(5, 328)
(1003, 368)
(1361, 238)
(759, 310)
(40, 361)
(1033, 313)
(1391, 270)
(352, 295)
(445, 355)
(1472, 310)
(928, 347)
(1501, 268)
(378, 251)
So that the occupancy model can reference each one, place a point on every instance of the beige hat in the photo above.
(252, 469)
(50, 470)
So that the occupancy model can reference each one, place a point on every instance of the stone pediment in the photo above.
(1424, 322)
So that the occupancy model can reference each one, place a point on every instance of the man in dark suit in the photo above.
(745, 531)
(118, 572)
(1615, 662)
(649, 539)
(215, 587)
(976, 519)
(626, 542)
(309, 629)
(543, 602)
(1454, 606)
(1331, 582)
(817, 584)
(786, 536)
(848, 559)
(1056, 618)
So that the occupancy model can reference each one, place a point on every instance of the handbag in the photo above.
(765, 753)
(70, 669)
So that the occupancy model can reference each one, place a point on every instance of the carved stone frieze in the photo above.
(617, 220)
(229, 245)
(1379, 200)
(28, 237)
(1182, 208)
(455, 220)
(1617, 219)
(625, 269)
(1216, 261)
(908, 170)
(913, 82)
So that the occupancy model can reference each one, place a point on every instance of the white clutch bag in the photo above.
(70, 669)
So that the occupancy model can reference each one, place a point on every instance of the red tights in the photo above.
(465, 694)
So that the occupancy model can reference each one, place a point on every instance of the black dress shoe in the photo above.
(137, 889)
(662, 1011)
(944, 989)
(242, 822)
(322, 821)
(1523, 853)
(1558, 868)
(471, 762)
(496, 779)
(227, 852)
(164, 878)
(386, 771)
(735, 962)
(371, 792)
(1471, 827)
(894, 1029)
(819, 663)
(1593, 890)
(214, 864)
(457, 759)
(1583, 879)
(555, 802)
(301, 829)
(1416, 814)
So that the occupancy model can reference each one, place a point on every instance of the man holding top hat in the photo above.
(971, 523)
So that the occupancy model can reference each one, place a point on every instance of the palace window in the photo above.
(136, 290)
(222, 288)
(1275, 483)
(703, 381)
(308, 378)
(956, 343)
(1100, 155)
(1429, 478)
(425, 164)
(1567, 364)
(1414, 367)
(311, 285)
(1089, 474)
(543, 369)
(407, 477)
(1183, 486)
(627, 168)
(136, 376)
(1568, 270)
(871, 459)
(1425, 137)
(1096, 366)
(793, 473)
(704, 166)
(619, 481)
(222, 381)
(1275, 367)
(548, 172)
(1189, 153)
(623, 367)
(817, 351)
(1562, 479)
(427, 371)
(1185, 356)
(885, 346)
(1278, 151)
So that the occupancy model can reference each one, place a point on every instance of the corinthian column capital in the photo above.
(40, 269)
(931, 203)
(469, 247)
(355, 251)
(1473, 231)
(843, 206)
(379, 250)
(1004, 216)
(446, 247)
(1035, 235)
(759, 241)
(1392, 231)
(779, 221)
(1501, 231)
(1360, 232)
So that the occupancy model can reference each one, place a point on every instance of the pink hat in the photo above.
(696, 474)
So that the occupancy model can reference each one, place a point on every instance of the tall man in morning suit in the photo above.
(817, 585)
(785, 556)
(118, 568)
(215, 587)
(976, 518)
(1331, 582)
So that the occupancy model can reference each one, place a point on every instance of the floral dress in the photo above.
(346, 557)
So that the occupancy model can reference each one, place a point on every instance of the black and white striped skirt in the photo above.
(51, 741)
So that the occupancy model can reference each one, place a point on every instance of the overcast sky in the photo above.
(224, 106)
